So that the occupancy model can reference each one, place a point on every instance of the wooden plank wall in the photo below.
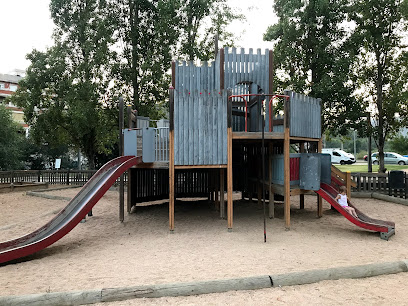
(305, 116)
(200, 128)
(247, 67)
(189, 77)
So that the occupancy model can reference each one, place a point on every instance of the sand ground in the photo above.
(103, 252)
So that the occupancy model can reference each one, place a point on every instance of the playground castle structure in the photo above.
(216, 134)
(224, 119)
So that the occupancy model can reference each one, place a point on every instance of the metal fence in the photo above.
(52, 177)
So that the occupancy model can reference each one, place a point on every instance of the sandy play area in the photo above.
(103, 252)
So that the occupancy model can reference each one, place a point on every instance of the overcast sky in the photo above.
(26, 24)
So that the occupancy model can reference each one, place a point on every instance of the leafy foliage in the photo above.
(382, 67)
(312, 56)
(64, 90)
(399, 144)
(11, 141)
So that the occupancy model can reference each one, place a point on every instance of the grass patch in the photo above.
(364, 168)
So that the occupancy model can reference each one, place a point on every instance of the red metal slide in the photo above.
(71, 215)
(386, 228)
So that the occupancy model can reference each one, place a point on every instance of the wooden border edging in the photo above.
(380, 196)
(205, 287)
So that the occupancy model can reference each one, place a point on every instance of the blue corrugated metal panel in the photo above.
(277, 166)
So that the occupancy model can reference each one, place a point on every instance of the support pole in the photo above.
(271, 194)
(319, 198)
(302, 196)
(229, 162)
(222, 201)
(171, 160)
(286, 164)
(121, 152)
(171, 148)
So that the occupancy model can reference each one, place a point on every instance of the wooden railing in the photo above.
(377, 182)
(52, 177)
(344, 177)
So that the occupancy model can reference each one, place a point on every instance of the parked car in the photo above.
(390, 158)
(339, 156)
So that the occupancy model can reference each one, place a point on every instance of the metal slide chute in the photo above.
(386, 228)
(71, 215)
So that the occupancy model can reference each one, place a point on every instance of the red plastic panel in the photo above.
(294, 168)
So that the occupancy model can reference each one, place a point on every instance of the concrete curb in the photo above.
(205, 287)
(39, 193)
(379, 196)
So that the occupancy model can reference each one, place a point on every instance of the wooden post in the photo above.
(286, 184)
(121, 152)
(171, 150)
(302, 196)
(222, 201)
(271, 194)
(348, 184)
(222, 60)
(286, 164)
(229, 163)
(319, 198)
(217, 189)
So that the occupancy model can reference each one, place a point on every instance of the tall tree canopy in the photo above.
(382, 66)
(152, 33)
(63, 92)
(107, 48)
(313, 56)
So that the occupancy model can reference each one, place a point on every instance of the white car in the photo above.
(339, 156)
(390, 158)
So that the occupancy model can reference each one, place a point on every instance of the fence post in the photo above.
(68, 177)
(12, 176)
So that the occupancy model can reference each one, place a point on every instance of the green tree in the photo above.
(11, 141)
(399, 144)
(200, 22)
(152, 33)
(382, 66)
(64, 94)
(313, 56)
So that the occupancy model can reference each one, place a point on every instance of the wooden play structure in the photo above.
(214, 141)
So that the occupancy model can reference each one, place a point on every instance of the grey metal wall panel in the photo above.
(325, 168)
(309, 172)
(148, 147)
(130, 142)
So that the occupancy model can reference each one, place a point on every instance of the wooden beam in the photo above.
(319, 198)
(348, 184)
(286, 185)
(222, 200)
(121, 152)
(271, 72)
(222, 60)
(171, 162)
(302, 196)
(229, 164)
(257, 135)
(201, 167)
(271, 194)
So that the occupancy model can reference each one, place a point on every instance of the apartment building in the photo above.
(8, 86)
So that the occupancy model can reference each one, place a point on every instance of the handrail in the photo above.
(257, 95)
(342, 175)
